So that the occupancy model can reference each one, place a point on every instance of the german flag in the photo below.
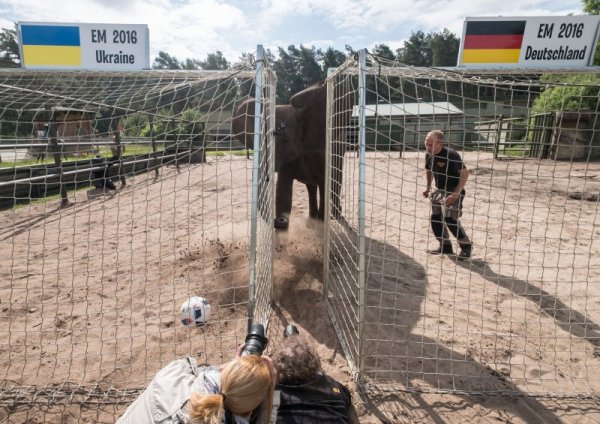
(493, 41)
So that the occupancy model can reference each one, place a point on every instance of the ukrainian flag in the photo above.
(50, 45)
(493, 41)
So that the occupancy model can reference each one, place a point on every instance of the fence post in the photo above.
(258, 97)
(498, 135)
(118, 154)
(53, 135)
(362, 71)
(153, 143)
(328, 197)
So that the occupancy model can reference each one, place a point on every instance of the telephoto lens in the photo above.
(289, 330)
(256, 342)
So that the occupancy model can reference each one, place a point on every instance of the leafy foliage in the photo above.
(9, 49)
(574, 92)
(166, 61)
(591, 7)
(162, 126)
(298, 68)
(568, 92)
(214, 62)
(416, 51)
(444, 48)
(134, 124)
(433, 49)
(190, 125)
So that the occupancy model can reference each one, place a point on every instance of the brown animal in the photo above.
(300, 141)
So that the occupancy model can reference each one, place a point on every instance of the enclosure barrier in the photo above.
(522, 316)
(92, 289)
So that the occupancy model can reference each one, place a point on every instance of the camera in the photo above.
(256, 341)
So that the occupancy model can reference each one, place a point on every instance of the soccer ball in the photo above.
(195, 311)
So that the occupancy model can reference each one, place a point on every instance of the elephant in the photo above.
(300, 141)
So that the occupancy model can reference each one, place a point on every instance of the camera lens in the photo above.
(256, 342)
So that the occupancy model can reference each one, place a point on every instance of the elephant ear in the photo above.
(242, 124)
(312, 102)
(289, 134)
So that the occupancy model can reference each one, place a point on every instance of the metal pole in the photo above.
(255, 187)
(270, 140)
(362, 70)
(327, 197)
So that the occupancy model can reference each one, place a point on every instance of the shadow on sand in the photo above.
(396, 351)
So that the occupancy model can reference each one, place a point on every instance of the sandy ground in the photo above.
(90, 294)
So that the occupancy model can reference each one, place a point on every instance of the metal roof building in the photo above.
(400, 126)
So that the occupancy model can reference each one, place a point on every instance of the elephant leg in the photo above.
(321, 213)
(283, 198)
(313, 206)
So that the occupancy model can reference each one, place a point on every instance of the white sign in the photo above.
(531, 42)
(46, 45)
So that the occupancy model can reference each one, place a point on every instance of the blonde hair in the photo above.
(437, 135)
(246, 384)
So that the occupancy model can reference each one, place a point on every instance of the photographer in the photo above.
(307, 394)
(239, 392)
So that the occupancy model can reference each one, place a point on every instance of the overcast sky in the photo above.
(193, 28)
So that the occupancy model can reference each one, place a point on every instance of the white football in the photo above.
(195, 311)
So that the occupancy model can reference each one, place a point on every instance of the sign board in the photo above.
(529, 42)
(44, 45)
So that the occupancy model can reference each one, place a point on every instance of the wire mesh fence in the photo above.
(519, 317)
(101, 250)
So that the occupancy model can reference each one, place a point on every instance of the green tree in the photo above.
(592, 7)
(9, 49)
(350, 52)
(135, 123)
(332, 58)
(296, 68)
(310, 69)
(383, 50)
(416, 50)
(164, 125)
(191, 64)
(247, 59)
(568, 92)
(444, 48)
(190, 125)
(433, 49)
(165, 61)
(214, 62)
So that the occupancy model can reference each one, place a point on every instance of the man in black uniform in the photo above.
(446, 167)
(306, 394)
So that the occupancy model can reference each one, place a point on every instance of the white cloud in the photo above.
(193, 28)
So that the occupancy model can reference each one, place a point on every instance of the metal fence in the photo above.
(518, 318)
(94, 279)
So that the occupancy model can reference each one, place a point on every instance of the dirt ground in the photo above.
(90, 294)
